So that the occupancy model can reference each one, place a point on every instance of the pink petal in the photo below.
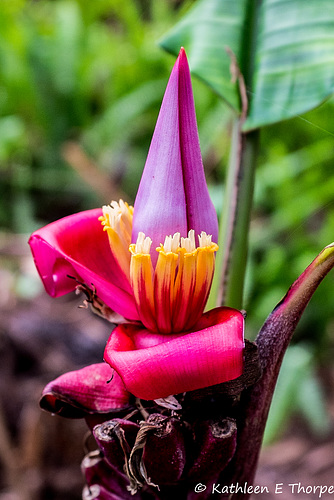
(77, 246)
(173, 195)
(78, 393)
(155, 366)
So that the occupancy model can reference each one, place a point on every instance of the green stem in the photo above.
(231, 260)
(228, 285)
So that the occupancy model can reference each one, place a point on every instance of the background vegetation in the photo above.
(80, 88)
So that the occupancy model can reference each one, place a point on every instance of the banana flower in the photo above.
(149, 268)
(153, 264)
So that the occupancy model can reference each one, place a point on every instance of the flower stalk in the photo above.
(228, 286)
(234, 229)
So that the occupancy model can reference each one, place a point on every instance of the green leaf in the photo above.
(205, 32)
(284, 48)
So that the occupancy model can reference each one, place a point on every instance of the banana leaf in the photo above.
(283, 48)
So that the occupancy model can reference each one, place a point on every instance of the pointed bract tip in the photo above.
(182, 57)
(325, 255)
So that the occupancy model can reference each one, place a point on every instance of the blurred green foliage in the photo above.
(86, 72)
(91, 73)
(294, 216)
(293, 220)
(298, 390)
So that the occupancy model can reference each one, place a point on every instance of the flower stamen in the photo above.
(189, 243)
(164, 279)
(117, 221)
(141, 276)
(172, 296)
(205, 267)
(185, 282)
(143, 244)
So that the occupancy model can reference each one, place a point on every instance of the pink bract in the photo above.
(173, 195)
(93, 389)
(77, 246)
(154, 366)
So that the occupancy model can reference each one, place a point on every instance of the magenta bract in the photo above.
(154, 366)
(173, 195)
(87, 391)
(76, 246)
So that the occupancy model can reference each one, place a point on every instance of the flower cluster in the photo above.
(149, 269)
